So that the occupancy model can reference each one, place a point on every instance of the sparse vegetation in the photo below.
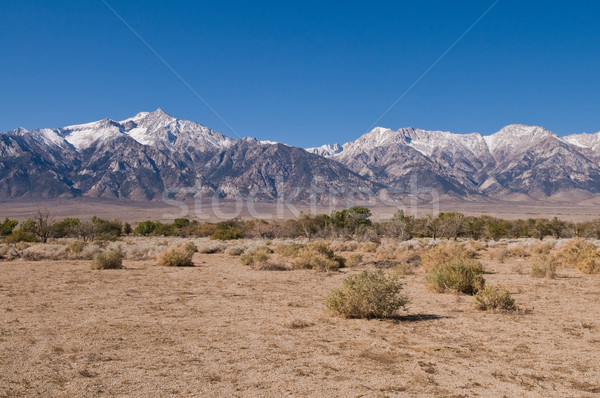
(460, 275)
(318, 256)
(544, 266)
(580, 254)
(492, 298)
(445, 252)
(369, 294)
(257, 257)
(354, 260)
(108, 259)
(180, 256)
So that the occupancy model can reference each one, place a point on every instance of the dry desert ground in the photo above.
(221, 328)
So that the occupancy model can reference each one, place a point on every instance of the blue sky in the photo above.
(303, 72)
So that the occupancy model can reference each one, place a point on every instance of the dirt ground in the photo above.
(224, 329)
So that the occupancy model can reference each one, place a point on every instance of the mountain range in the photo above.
(141, 157)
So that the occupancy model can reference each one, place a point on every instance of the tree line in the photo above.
(352, 223)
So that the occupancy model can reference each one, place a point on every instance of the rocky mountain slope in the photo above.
(518, 161)
(141, 157)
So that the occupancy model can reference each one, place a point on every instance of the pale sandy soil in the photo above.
(223, 329)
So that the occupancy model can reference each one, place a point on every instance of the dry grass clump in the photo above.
(578, 253)
(542, 248)
(140, 252)
(75, 247)
(445, 252)
(108, 259)
(41, 252)
(257, 257)
(4, 251)
(370, 294)
(476, 246)
(89, 252)
(460, 275)
(344, 246)
(544, 266)
(180, 256)
(354, 260)
(211, 248)
(492, 298)
(318, 256)
(289, 249)
(368, 247)
(235, 251)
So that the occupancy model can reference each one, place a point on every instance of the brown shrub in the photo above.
(544, 266)
(180, 256)
(108, 259)
(445, 252)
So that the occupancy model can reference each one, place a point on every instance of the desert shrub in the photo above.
(445, 252)
(318, 256)
(258, 256)
(501, 255)
(461, 275)
(4, 251)
(544, 266)
(344, 246)
(272, 267)
(368, 247)
(542, 248)
(369, 294)
(354, 260)
(228, 230)
(107, 237)
(180, 256)
(108, 259)
(492, 298)
(579, 254)
(519, 251)
(20, 235)
(44, 252)
(289, 249)
(75, 247)
(89, 252)
(140, 253)
(212, 249)
(235, 251)
(477, 246)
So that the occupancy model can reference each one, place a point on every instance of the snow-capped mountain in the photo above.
(517, 160)
(142, 156)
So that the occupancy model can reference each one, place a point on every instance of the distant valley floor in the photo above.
(205, 210)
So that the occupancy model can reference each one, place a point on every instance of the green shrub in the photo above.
(228, 230)
(544, 267)
(492, 298)
(108, 259)
(20, 235)
(180, 256)
(369, 294)
(464, 276)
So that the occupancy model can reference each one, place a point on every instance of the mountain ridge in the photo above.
(143, 156)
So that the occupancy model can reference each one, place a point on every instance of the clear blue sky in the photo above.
(303, 72)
